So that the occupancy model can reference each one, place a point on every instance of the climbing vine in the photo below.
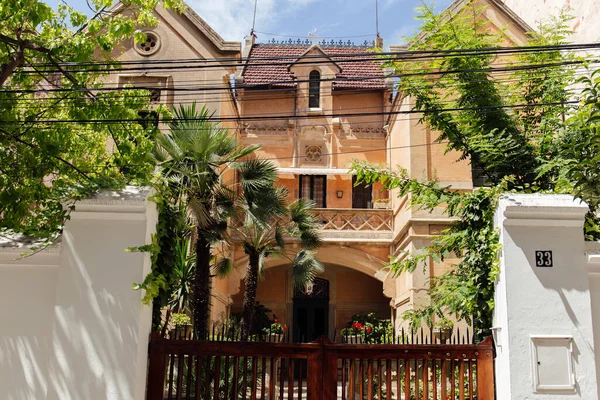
(543, 145)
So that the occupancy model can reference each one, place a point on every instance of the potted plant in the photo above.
(443, 329)
(381, 204)
(183, 326)
(357, 332)
(276, 331)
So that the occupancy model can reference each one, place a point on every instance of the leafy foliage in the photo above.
(166, 283)
(262, 220)
(371, 326)
(194, 158)
(517, 151)
(46, 166)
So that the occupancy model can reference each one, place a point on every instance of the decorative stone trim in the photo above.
(364, 133)
(265, 130)
(150, 46)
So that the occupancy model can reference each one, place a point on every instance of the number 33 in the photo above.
(543, 258)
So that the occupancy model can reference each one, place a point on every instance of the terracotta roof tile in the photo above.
(276, 72)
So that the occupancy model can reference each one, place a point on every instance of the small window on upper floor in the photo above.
(314, 89)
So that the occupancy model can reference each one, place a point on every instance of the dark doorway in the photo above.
(314, 187)
(311, 317)
(362, 194)
(311, 312)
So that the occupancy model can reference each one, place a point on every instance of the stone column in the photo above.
(543, 319)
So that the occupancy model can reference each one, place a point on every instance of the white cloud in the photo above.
(232, 19)
(398, 36)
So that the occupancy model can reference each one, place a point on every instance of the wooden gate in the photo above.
(214, 370)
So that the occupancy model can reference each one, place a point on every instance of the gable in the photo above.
(187, 36)
(312, 53)
(497, 13)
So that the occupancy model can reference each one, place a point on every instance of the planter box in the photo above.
(353, 339)
(274, 337)
(381, 206)
(182, 332)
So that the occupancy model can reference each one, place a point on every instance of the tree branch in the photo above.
(33, 146)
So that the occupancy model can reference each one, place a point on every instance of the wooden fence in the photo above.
(215, 370)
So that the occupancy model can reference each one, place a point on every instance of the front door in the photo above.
(310, 319)
(311, 312)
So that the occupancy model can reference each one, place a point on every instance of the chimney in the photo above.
(248, 43)
(379, 42)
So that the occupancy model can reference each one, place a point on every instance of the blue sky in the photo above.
(346, 19)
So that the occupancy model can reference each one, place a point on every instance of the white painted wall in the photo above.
(586, 12)
(27, 292)
(593, 268)
(542, 301)
(75, 329)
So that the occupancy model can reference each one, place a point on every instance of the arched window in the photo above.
(314, 89)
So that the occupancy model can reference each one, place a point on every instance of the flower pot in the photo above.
(381, 205)
(275, 337)
(182, 332)
(354, 339)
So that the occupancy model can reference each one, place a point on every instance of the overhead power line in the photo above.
(256, 62)
(131, 85)
(300, 117)
(278, 93)
(397, 55)
(336, 79)
(435, 143)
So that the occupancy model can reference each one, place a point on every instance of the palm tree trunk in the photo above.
(202, 286)
(250, 294)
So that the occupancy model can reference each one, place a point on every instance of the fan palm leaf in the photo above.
(193, 156)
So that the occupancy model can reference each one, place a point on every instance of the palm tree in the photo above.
(194, 155)
(264, 221)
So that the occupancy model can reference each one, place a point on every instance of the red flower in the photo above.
(285, 327)
(368, 329)
(357, 326)
(276, 320)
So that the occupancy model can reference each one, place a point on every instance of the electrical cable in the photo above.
(397, 55)
(334, 80)
(299, 117)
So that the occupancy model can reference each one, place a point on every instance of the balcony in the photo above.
(355, 225)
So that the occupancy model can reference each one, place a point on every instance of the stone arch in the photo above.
(343, 256)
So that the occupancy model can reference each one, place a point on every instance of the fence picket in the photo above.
(182, 369)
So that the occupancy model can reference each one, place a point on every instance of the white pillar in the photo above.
(593, 268)
(100, 331)
(542, 318)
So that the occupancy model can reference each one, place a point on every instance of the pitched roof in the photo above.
(261, 69)
(317, 49)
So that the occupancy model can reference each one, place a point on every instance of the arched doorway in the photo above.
(311, 311)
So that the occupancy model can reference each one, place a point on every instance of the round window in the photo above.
(150, 46)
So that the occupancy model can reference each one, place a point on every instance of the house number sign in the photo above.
(543, 258)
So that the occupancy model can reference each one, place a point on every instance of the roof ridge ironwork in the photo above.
(310, 42)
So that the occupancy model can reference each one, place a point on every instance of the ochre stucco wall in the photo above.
(351, 292)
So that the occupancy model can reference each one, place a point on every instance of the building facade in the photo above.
(314, 107)
(309, 94)
(585, 15)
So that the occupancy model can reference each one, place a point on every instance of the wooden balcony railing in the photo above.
(355, 223)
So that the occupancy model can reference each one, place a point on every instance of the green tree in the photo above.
(262, 223)
(45, 76)
(195, 156)
(167, 285)
(507, 127)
